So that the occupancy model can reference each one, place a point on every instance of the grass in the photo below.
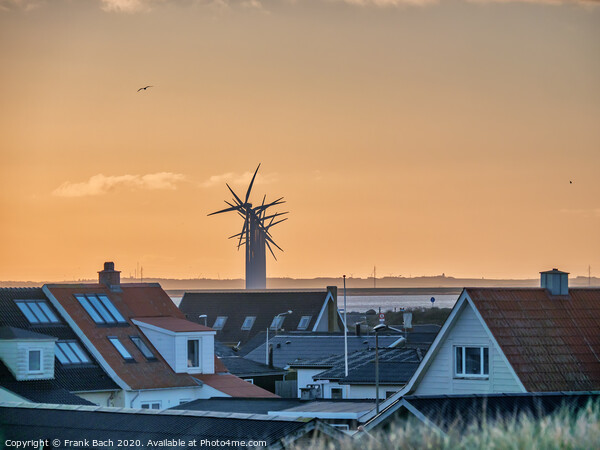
(563, 430)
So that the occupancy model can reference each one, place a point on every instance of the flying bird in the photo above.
(570, 182)
(144, 88)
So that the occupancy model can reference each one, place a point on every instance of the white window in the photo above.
(69, 352)
(248, 322)
(193, 353)
(471, 362)
(219, 323)
(304, 321)
(34, 361)
(121, 348)
(336, 393)
(150, 405)
(249, 380)
(277, 322)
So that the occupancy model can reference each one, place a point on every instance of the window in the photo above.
(100, 309)
(193, 353)
(220, 323)
(150, 405)
(142, 347)
(249, 380)
(34, 361)
(471, 361)
(69, 352)
(37, 311)
(121, 348)
(277, 322)
(304, 321)
(336, 393)
(248, 322)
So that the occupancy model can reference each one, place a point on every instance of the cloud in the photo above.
(234, 179)
(26, 5)
(101, 184)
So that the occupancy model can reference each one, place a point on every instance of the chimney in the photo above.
(110, 277)
(555, 281)
(332, 310)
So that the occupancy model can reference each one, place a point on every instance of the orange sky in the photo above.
(419, 136)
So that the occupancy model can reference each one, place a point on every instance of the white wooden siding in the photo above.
(466, 331)
(15, 354)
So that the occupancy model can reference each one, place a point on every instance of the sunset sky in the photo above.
(419, 136)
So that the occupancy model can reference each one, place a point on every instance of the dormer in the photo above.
(28, 355)
(186, 346)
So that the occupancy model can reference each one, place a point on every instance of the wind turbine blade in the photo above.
(251, 183)
(233, 208)
(279, 221)
(242, 234)
(268, 238)
(275, 215)
(271, 250)
(234, 194)
(268, 205)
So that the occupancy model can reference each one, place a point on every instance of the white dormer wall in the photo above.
(15, 355)
(173, 346)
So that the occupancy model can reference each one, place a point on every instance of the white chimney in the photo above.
(555, 281)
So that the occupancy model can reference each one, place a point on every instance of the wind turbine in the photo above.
(255, 233)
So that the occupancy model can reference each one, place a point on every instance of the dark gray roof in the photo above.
(242, 405)
(295, 348)
(236, 305)
(17, 333)
(396, 366)
(243, 367)
(38, 391)
(462, 410)
(73, 378)
(24, 422)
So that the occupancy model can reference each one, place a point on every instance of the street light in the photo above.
(276, 321)
(377, 329)
(205, 317)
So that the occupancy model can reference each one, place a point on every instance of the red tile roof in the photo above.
(552, 342)
(234, 386)
(173, 324)
(135, 300)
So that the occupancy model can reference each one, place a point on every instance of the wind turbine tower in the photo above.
(255, 233)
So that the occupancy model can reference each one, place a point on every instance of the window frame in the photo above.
(142, 346)
(198, 351)
(277, 322)
(40, 351)
(95, 305)
(78, 352)
(484, 352)
(148, 404)
(300, 326)
(42, 316)
(221, 325)
(252, 319)
(120, 348)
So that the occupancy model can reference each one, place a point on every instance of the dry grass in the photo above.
(563, 430)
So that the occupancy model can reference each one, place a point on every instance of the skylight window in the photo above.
(101, 309)
(304, 321)
(220, 322)
(69, 352)
(248, 322)
(120, 348)
(37, 311)
(277, 322)
(142, 347)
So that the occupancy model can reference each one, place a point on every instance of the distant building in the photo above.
(239, 315)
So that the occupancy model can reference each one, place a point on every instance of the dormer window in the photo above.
(219, 323)
(193, 353)
(248, 322)
(101, 309)
(37, 311)
(69, 352)
(34, 360)
(304, 321)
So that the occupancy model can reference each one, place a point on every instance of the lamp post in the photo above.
(345, 332)
(276, 320)
(205, 317)
(377, 329)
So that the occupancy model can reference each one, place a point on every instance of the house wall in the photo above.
(164, 343)
(359, 391)
(167, 397)
(305, 377)
(106, 398)
(15, 355)
(466, 331)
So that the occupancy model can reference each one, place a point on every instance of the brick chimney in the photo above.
(110, 277)
(555, 281)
